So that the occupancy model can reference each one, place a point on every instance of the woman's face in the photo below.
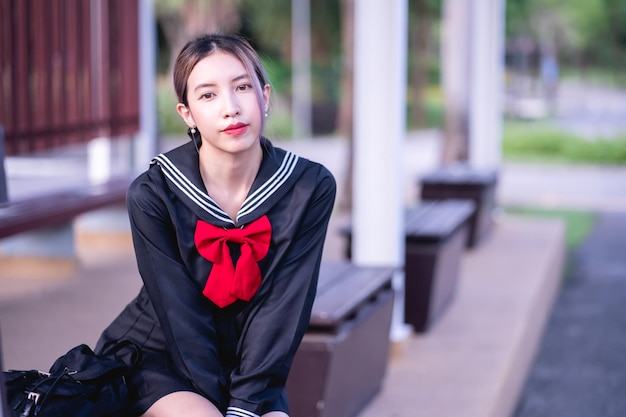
(223, 104)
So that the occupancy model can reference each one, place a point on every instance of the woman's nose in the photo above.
(231, 105)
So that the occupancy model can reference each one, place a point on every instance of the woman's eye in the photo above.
(207, 96)
(244, 87)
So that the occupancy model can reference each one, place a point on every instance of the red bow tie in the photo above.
(227, 283)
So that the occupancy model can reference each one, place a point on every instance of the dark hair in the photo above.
(201, 47)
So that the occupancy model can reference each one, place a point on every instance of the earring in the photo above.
(191, 132)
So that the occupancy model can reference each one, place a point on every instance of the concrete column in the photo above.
(380, 57)
(99, 157)
(301, 65)
(146, 143)
(486, 83)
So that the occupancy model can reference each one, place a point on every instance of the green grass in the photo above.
(542, 142)
(578, 223)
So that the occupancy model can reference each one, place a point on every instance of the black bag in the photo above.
(79, 384)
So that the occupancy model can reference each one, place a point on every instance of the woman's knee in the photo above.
(183, 403)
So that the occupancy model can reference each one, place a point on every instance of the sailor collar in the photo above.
(278, 172)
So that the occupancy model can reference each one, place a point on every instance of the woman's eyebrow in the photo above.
(205, 85)
(240, 77)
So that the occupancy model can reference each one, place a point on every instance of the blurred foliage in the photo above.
(585, 34)
(543, 142)
(170, 122)
(432, 99)
(267, 25)
(581, 32)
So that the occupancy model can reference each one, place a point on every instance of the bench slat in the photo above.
(54, 209)
(436, 220)
(343, 288)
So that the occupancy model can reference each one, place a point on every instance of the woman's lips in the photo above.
(236, 129)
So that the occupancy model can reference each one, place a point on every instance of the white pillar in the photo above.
(301, 66)
(145, 145)
(380, 57)
(486, 83)
(99, 157)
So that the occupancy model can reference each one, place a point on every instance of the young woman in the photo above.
(228, 233)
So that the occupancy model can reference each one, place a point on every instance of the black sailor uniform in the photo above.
(201, 322)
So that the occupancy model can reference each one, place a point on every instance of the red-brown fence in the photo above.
(68, 71)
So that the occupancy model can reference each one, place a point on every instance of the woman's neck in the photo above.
(229, 177)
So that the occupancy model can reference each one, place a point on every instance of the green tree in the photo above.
(181, 20)
(423, 17)
(582, 32)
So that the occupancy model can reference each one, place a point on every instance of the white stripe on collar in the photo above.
(254, 200)
(204, 201)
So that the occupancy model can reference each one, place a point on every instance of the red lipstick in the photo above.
(236, 129)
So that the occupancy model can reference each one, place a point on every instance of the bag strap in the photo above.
(32, 401)
(66, 373)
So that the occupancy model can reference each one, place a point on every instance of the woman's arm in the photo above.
(280, 318)
(183, 313)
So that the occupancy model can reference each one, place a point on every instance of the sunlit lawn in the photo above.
(543, 142)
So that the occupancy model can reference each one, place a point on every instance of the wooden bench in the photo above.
(58, 208)
(435, 236)
(461, 181)
(341, 362)
(53, 210)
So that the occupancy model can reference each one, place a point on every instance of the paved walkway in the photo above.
(473, 362)
(579, 370)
